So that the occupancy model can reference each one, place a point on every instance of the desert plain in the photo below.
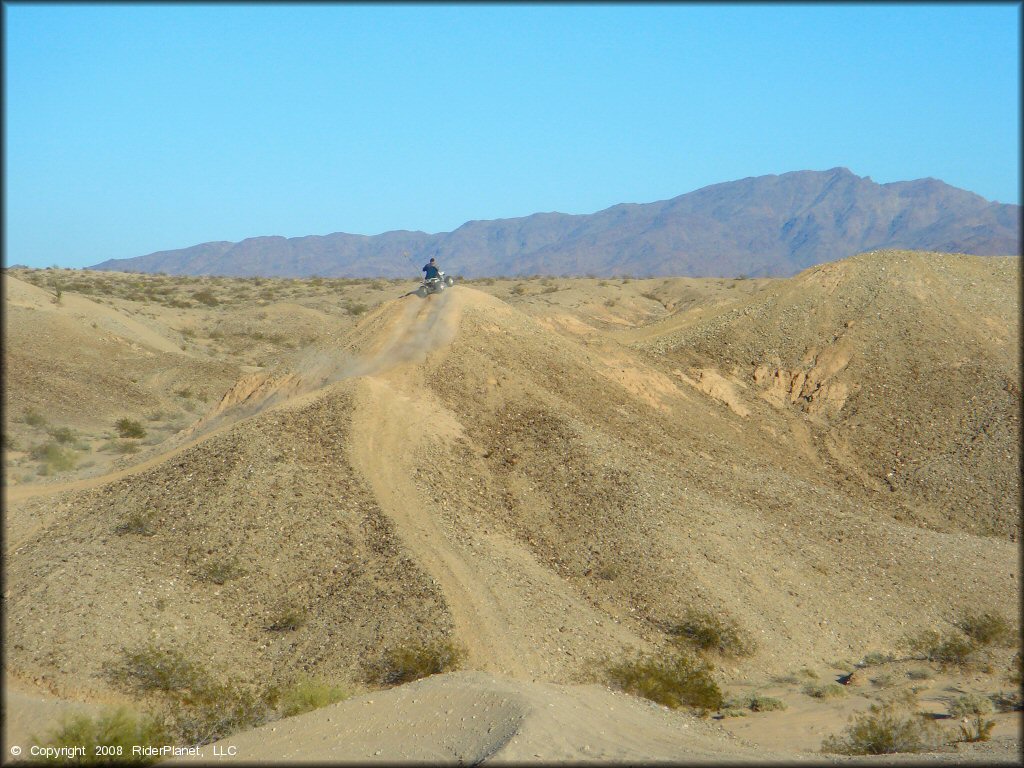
(223, 492)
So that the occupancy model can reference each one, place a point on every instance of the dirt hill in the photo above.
(551, 492)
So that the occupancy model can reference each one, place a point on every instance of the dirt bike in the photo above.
(435, 284)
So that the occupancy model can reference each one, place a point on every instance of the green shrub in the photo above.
(884, 730)
(129, 428)
(877, 657)
(33, 418)
(920, 674)
(709, 632)
(307, 695)
(674, 680)
(411, 662)
(115, 733)
(989, 629)
(213, 711)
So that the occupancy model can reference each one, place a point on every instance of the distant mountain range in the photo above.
(758, 226)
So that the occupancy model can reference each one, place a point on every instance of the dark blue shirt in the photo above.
(431, 271)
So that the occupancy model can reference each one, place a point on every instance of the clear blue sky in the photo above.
(136, 128)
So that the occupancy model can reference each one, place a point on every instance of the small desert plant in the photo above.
(519, 289)
(920, 674)
(710, 632)
(755, 702)
(884, 730)
(215, 710)
(975, 728)
(307, 695)
(411, 662)
(33, 418)
(220, 571)
(151, 668)
(826, 691)
(951, 650)
(129, 428)
(970, 704)
(140, 523)
(55, 457)
(206, 297)
(989, 629)
(674, 680)
(1006, 702)
(288, 620)
(109, 737)
(62, 434)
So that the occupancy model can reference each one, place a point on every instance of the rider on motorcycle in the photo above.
(431, 269)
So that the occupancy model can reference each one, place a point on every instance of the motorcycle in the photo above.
(437, 284)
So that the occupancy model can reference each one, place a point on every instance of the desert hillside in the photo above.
(550, 473)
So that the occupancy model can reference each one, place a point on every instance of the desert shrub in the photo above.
(710, 632)
(989, 629)
(62, 434)
(140, 523)
(151, 668)
(975, 728)
(519, 289)
(212, 711)
(755, 702)
(307, 695)
(411, 662)
(220, 571)
(970, 704)
(826, 691)
(55, 457)
(920, 674)
(206, 297)
(116, 731)
(129, 428)
(551, 288)
(33, 418)
(885, 730)
(955, 650)
(674, 680)
(288, 620)
(186, 392)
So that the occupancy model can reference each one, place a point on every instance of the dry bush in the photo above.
(307, 695)
(54, 457)
(288, 620)
(826, 691)
(884, 730)
(411, 662)
(109, 737)
(220, 571)
(951, 650)
(129, 428)
(141, 523)
(970, 704)
(989, 629)
(975, 728)
(674, 680)
(755, 702)
(707, 631)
